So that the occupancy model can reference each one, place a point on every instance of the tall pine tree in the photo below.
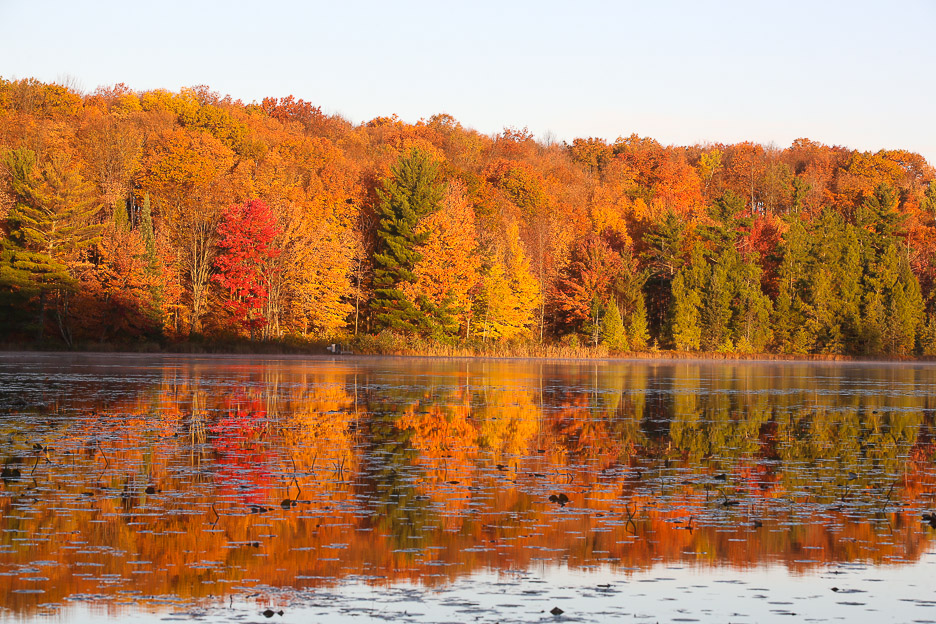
(686, 296)
(411, 193)
(50, 227)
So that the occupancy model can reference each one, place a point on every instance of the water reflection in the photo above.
(157, 477)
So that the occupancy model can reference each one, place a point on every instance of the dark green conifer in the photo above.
(410, 193)
(716, 304)
(687, 290)
(789, 316)
(51, 224)
(929, 200)
(664, 242)
(904, 312)
(750, 325)
(727, 223)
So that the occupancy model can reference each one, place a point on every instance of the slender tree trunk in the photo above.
(61, 314)
(202, 246)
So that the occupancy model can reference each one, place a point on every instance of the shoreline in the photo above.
(318, 351)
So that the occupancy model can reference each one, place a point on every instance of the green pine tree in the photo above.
(638, 333)
(727, 222)
(789, 314)
(613, 334)
(664, 243)
(878, 217)
(928, 336)
(51, 225)
(686, 297)
(148, 233)
(928, 205)
(847, 276)
(716, 303)
(751, 318)
(410, 193)
(904, 312)
(26, 280)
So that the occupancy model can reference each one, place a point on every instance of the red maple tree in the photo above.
(246, 237)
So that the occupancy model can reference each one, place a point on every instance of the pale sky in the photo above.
(858, 74)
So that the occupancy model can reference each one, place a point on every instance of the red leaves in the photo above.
(246, 234)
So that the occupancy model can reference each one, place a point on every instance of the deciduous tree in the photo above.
(244, 263)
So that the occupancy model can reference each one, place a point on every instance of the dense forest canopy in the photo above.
(140, 216)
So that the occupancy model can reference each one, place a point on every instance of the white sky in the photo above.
(855, 73)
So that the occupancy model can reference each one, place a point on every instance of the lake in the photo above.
(148, 488)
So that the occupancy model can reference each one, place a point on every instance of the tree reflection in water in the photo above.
(189, 477)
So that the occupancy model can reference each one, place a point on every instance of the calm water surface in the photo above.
(155, 488)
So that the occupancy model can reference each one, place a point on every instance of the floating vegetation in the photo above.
(446, 490)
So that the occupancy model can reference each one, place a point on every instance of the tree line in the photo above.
(160, 216)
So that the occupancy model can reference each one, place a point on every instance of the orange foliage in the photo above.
(194, 151)
(450, 261)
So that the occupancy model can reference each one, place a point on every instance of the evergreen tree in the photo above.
(638, 334)
(904, 312)
(441, 319)
(716, 303)
(613, 334)
(54, 210)
(751, 318)
(873, 320)
(628, 294)
(828, 291)
(847, 275)
(727, 222)
(51, 225)
(411, 193)
(155, 311)
(26, 275)
(664, 242)
(928, 336)
(879, 218)
(789, 315)
(801, 189)
(929, 200)
(686, 297)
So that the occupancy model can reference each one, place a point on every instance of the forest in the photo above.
(160, 218)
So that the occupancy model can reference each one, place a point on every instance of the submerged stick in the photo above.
(888, 497)
(630, 517)
(294, 477)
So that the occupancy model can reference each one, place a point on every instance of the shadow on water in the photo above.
(180, 483)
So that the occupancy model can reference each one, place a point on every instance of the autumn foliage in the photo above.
(245, 261)
(159, 216)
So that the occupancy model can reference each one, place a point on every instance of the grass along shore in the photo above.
(391, 344)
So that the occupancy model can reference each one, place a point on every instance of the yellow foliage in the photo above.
(510, 293)
(450, 264)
